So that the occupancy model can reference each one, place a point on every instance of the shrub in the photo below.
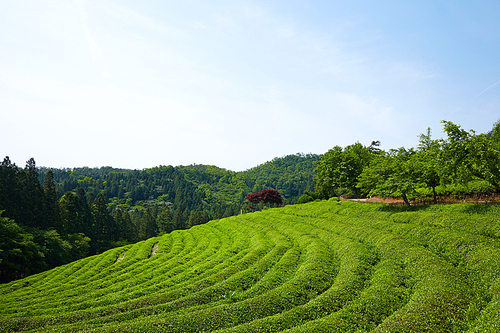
(304, 198)
(303, 268)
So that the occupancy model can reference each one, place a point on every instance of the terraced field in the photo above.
(317, 267)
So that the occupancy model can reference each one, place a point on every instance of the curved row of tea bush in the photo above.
(318, 267)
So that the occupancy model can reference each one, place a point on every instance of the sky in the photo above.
(138, 84)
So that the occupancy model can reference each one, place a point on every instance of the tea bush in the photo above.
(324, 266)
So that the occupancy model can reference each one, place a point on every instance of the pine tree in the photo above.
(177, 219)
(129, 229)
(9, 195)
(31, 203)
(87, 219)
(104, 224)
(52, 210)
(164, 220)
(126, 229)
(148, 225)
(192, 219)
(69, 214)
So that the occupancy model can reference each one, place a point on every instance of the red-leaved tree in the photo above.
(254, 197)
(266, 196)
(271, 196)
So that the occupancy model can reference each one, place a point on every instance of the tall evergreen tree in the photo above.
(164, 220)
(33, 196)
(177, 219)
(9, 197)
(69, 214)
(148, 226)
(104, 224)
(84, 209)
(126, 229)
(52, 213)
(129, 230)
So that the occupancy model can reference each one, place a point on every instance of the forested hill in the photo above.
(195, 187)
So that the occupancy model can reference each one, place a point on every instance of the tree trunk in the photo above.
(405, 199)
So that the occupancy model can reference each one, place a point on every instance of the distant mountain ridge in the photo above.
(290, 174)
(194, 194)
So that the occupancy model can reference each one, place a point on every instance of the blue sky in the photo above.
(137, 84)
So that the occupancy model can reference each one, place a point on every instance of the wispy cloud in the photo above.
(473, 98)
(494, 84)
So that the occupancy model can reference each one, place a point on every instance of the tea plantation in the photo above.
(317, 267)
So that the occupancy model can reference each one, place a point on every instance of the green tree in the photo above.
(148, 226)
(164, 220)
(85, 212)
(104, 228)
(178, 219)
(127, 230)
(80, 245)
(469, 156)
(52, 213)
(428, 160)
(306, 197)
(20, 256)
(70, 214)
(32, 196)
(8, 188)
(56, 250)
(339, 169)
(198, 217)
(393, 174)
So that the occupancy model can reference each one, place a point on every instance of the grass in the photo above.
(317, 267)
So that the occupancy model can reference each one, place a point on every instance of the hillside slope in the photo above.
(291, 175)
(318, 267)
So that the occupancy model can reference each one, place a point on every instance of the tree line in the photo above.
(30, 241)
(462, 163)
